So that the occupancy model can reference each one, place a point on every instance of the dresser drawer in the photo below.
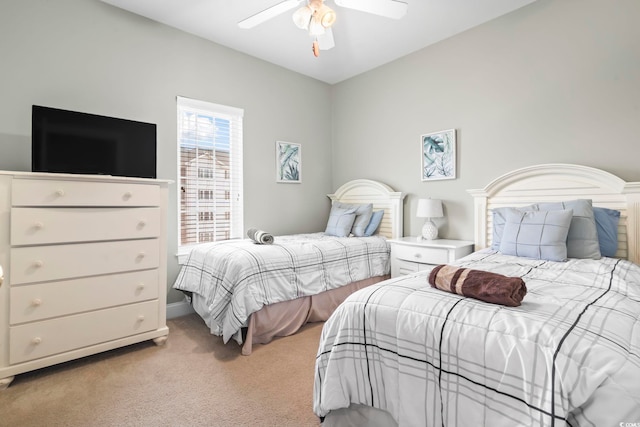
(54, 299)
(40, 339)
(420, 254)
(48, 192)
(42, 263)
(34, 226)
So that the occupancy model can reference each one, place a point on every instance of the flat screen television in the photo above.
(73, 142)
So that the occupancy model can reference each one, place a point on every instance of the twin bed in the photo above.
(252, 293)
(404, 353)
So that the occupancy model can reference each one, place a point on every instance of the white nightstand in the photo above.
(409, 254)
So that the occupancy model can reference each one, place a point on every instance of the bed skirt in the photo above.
(285, 318)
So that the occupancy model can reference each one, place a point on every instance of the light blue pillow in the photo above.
(607, 226)
(340, 221)
(363, 216)
(582, 240)
(373, 225)
(499, 219)
(536, 234)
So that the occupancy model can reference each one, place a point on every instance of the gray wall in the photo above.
(555, 82)
(85, 55)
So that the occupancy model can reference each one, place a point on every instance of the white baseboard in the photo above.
(177, 309)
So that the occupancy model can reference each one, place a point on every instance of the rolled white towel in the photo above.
(259, 236)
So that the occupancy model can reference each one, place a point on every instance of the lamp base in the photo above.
(429, 230)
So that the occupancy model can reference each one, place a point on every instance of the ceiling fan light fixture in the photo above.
(326, 16)
(302, 17)
(316, 28)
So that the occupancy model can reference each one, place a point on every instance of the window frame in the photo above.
(235, 194)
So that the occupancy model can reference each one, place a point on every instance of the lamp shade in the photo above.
(429, 208)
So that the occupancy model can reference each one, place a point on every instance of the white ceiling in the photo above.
(362, 41)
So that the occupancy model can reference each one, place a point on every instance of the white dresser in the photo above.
(84, 260)
(412, 254)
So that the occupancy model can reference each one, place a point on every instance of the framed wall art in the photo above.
(438, 151)
(288, 162)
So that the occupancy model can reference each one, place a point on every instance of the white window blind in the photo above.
(210, 171)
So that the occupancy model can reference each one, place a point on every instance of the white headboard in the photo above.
(556, 182)
(382, 196)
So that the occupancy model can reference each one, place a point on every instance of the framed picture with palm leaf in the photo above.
(438, 151)
(288, 162)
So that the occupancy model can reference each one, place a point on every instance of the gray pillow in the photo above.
(536, 234)
(363, 216)
(340, 221)
(582, 241)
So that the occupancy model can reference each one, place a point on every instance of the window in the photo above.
(210, 169)
(207, 173)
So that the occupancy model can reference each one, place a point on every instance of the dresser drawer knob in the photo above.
(141, 317)
(59, 192)
(418, 255)
(141, 255)
(36, 302)
(36, 340)
(38, 264)
(38, 225)
(127, 195)
(141, 286)
(142, 223)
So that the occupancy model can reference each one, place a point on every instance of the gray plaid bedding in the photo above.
(569, 355)
(239, 277)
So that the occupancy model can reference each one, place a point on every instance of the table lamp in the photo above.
(429, 208)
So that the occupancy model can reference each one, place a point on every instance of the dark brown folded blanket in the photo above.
(478, 284)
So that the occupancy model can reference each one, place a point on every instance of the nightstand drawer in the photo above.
(411, 254)
(420, 254)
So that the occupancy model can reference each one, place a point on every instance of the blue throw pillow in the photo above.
(340, 221)
(536, 234)
(607, 226)
(373, 225)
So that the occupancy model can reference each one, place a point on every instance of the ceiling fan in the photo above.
(317, 18)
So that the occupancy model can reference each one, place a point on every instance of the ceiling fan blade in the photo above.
(325, 41)
(268, 13)
(394, 9)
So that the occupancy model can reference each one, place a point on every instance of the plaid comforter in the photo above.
(239, 277)
(569, 355)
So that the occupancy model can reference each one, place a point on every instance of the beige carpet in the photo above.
(194, 380)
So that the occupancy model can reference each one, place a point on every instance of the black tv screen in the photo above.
(73, 142)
